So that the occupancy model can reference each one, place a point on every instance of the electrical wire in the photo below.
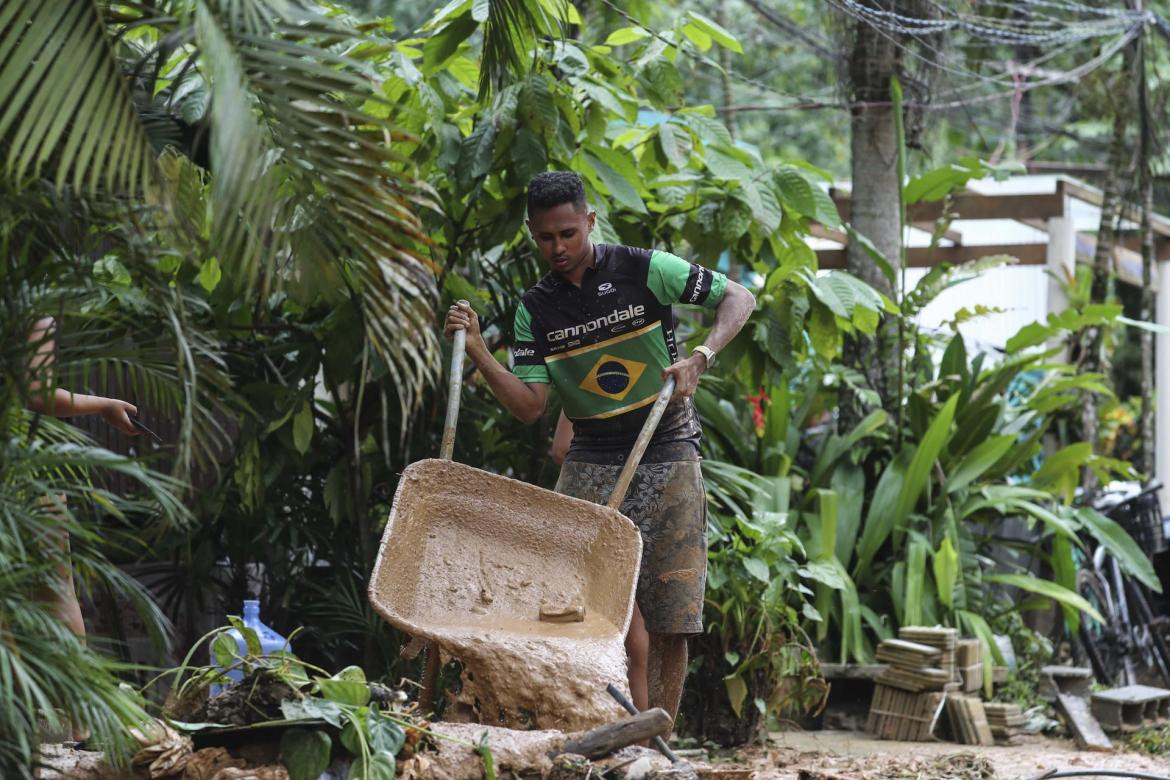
(1100, 773)
(1055, 28)
(1120, 24)
(803, 100)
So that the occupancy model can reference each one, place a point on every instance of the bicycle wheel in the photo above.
(1102, 642)
(1149, 638)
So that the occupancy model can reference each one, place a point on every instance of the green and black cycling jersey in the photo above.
(605, 344)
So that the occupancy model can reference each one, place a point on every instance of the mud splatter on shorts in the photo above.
(668, 504)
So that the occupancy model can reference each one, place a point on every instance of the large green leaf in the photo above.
(675, 142)
(617, 173)
(835, 446)
(717, 32)
(381, 766)
(1060, 471)
(946, 571)
(724, 164)
(912, 612)
(797, 191)
(303, 428)
(386, 736)
(737, 691)
(848, 481)
(922, 464)
(305, 753)
(1064, 573)
(978, 461)
(879, 518)
(1048, 589)
(880, 260)
(1121, 546)
(758, 569)
(827, 504)
(442, 46)
(624, 35)
(887, 514)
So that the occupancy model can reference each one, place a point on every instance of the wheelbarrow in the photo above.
(464, 549)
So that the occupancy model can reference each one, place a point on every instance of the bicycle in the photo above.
(1131, 640)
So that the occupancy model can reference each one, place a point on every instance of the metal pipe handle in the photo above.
(454, 391)
(640, 444)
(629, 707)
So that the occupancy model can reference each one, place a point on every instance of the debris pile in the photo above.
(1006, 721)
(908, 694)
(928, 671)
(969, 661)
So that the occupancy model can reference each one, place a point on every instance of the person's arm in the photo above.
(60, 402)
(562, 439)
(733, 311)
(525, 400)
(674, 280)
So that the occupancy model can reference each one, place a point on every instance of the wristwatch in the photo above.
(708, 353)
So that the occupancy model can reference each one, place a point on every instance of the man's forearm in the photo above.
(516, 396)
(737, 305)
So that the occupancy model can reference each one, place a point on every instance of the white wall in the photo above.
(1022, 291)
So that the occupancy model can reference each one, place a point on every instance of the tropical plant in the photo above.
(58, 513)
(214, 159)
(319, 709)
(897, 520)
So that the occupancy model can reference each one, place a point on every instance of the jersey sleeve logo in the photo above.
(613, 377)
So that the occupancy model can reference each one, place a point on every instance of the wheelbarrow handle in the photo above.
(454, 391)
(639, 448)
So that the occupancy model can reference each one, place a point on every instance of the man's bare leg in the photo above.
(637, 648)
(667, 670)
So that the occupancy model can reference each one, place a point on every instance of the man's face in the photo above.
(562, 234)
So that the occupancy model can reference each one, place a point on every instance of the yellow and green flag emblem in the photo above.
(613, 377)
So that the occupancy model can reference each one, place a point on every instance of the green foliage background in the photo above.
(251, 233)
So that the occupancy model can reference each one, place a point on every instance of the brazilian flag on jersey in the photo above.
(613, 377)
(604, 345)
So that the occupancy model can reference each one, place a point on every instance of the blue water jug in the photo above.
(270, 642)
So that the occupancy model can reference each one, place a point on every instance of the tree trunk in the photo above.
(875, 204)
(1092, 358)
(1147, 315)
(874, 209)
(1147, 311)
(725, 81)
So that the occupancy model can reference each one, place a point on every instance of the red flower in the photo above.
(758, 403)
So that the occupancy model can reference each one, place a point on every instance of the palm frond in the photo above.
(41, 666)
(295, 145)
(66, 103)
(511, 31)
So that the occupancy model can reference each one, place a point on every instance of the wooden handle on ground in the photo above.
(603, 740)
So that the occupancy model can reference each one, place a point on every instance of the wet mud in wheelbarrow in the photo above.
(469, 558)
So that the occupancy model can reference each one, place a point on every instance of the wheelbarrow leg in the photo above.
(430, 680)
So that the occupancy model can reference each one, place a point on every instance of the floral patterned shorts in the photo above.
(668, 503)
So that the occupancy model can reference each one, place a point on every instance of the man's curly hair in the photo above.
(552, 188)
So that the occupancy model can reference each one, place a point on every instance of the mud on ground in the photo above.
(837, 755)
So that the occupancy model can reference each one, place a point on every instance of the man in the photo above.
(599, 327)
